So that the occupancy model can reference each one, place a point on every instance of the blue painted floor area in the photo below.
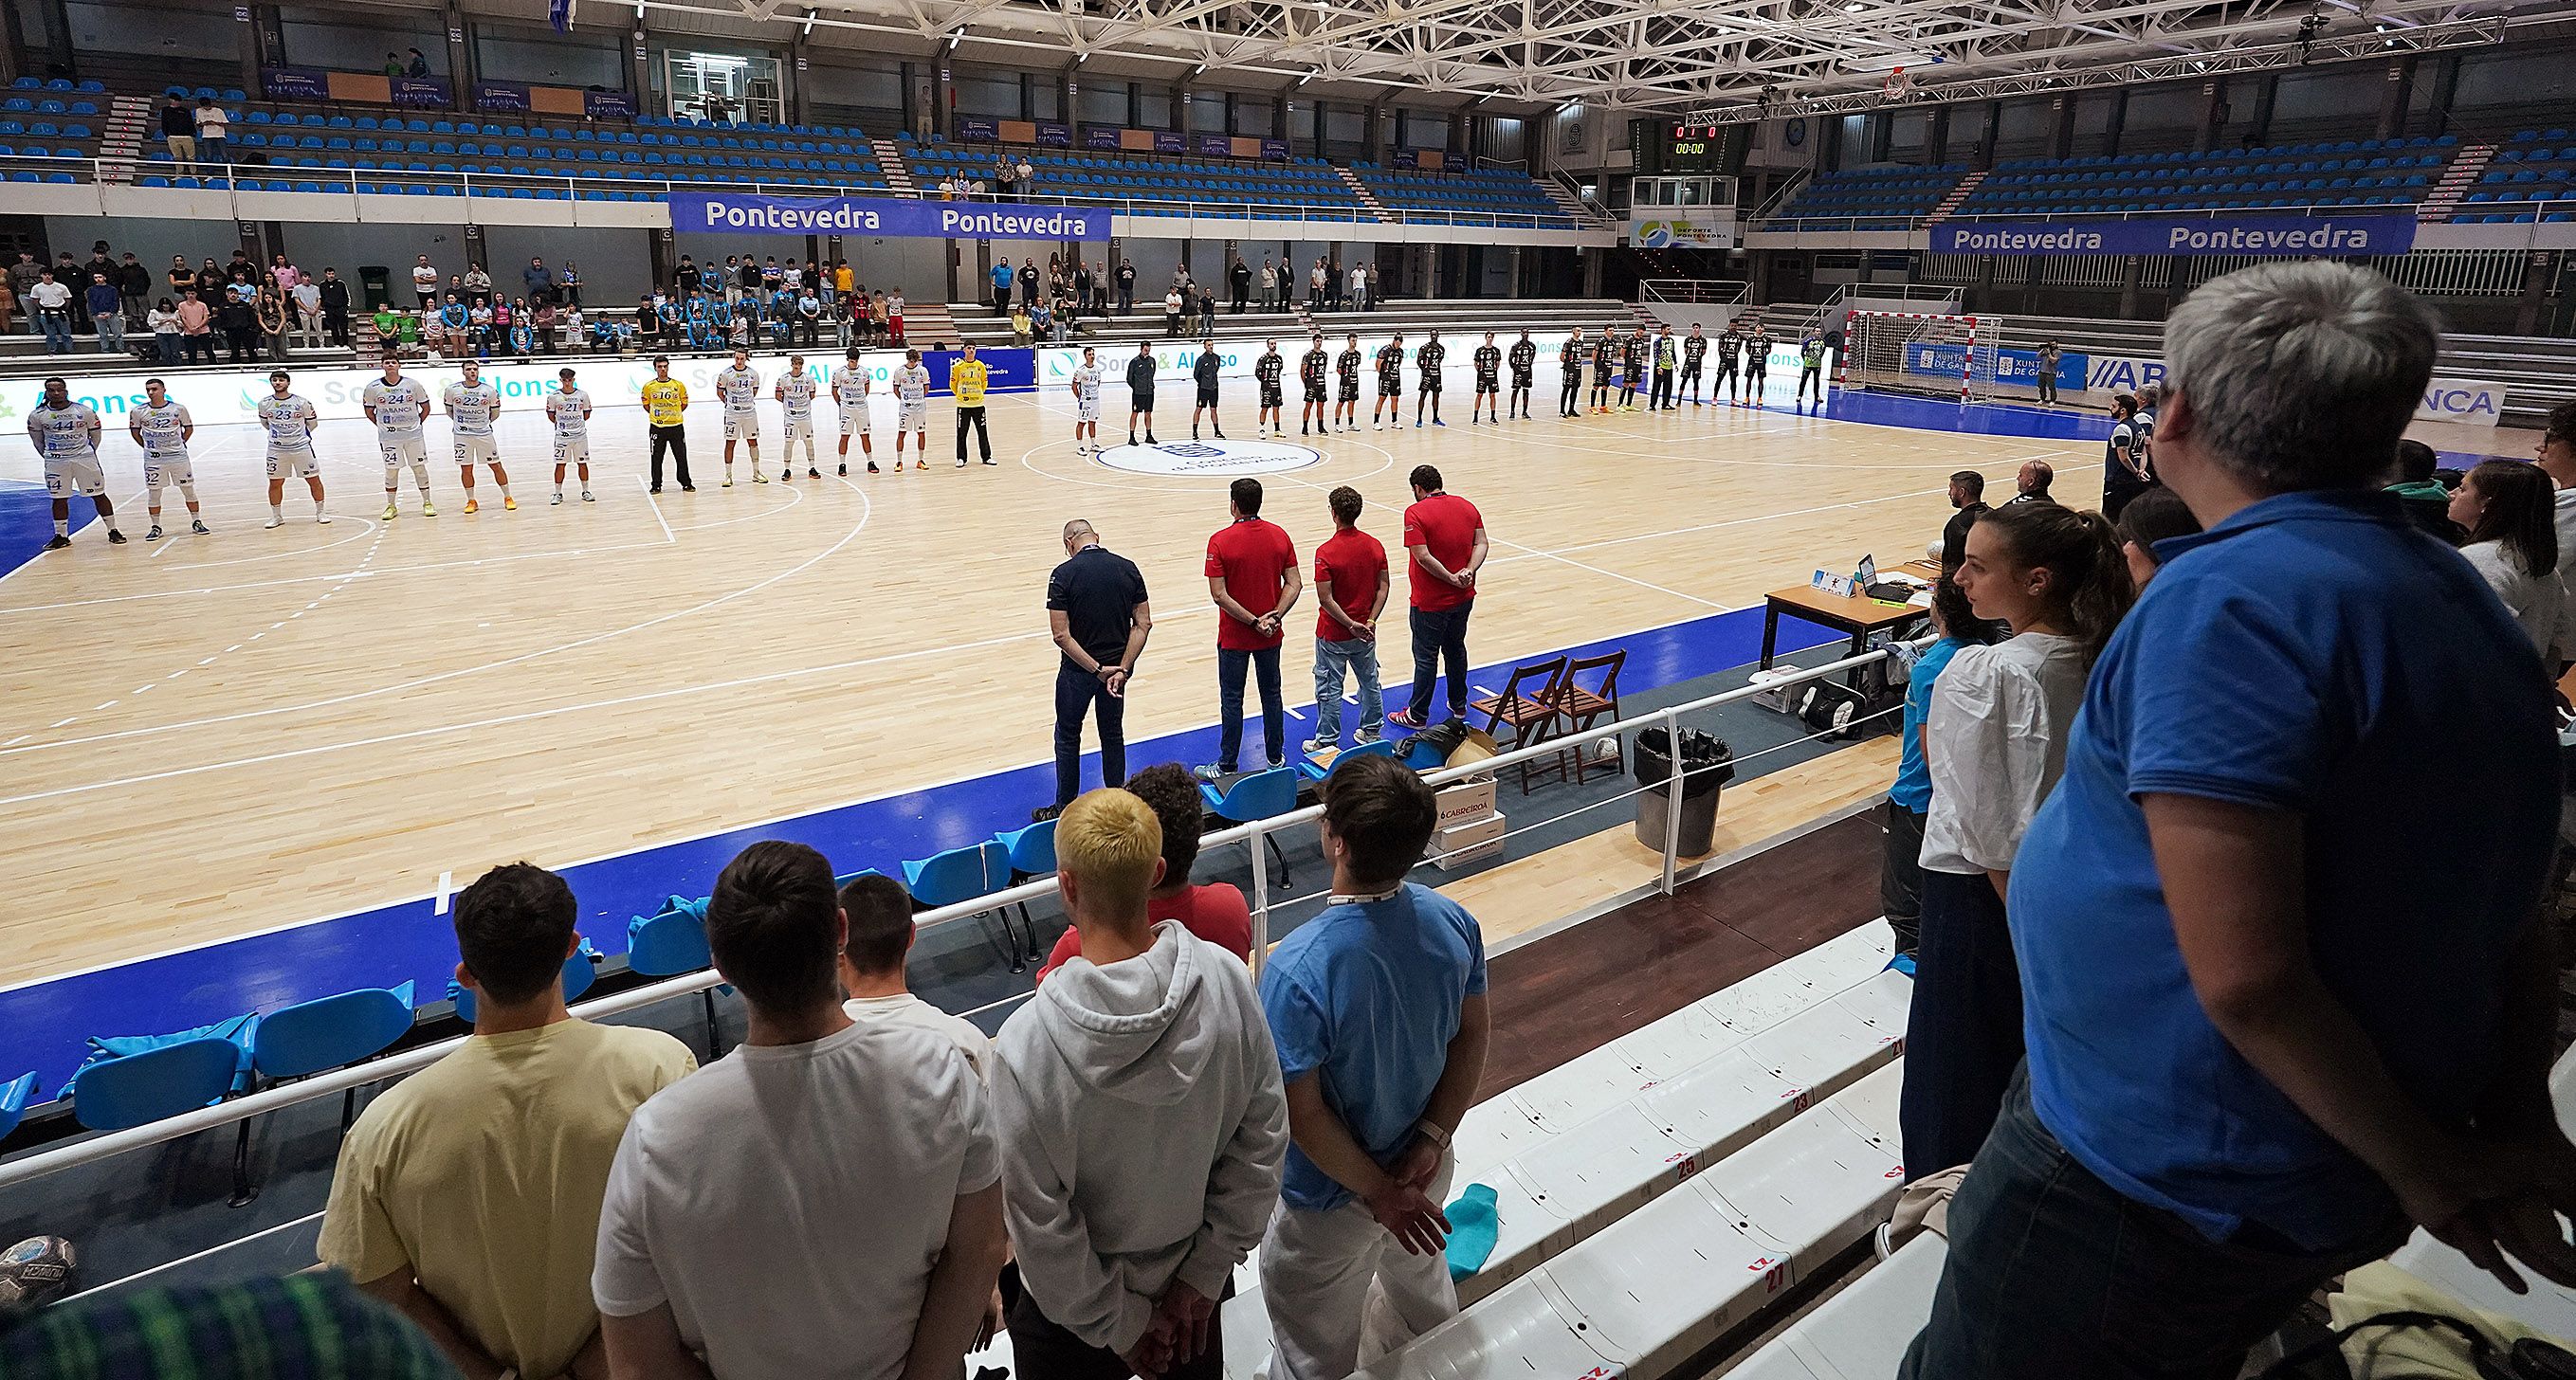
(48, 1022)
(27, 521)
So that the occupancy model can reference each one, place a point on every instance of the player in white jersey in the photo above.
(163, 428)
(912, 396)
(66, 435)
(1086, 404)
(399, 406)
(795, 393)
(472, 406)
(288, 420)
(738, 388)
(850, 385)
(569, 409)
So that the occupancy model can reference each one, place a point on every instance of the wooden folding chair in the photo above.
(1584, 708)
(1528, 707)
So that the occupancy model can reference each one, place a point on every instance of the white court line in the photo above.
(656, 506)
(446, 888)
(867, 511)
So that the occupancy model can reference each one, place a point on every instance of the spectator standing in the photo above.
(2557, 457)
(1239, 278)
(1968, 496)
(1138, 1103)
(1253, 577)
(196, 328)
(1368, 289)
(53, 306)
(2049, 355)
(308, 311)
(179, 135)
(2124, 458)
(107, 315)
(1215, 912)
(1173, 305)
(1126, 287)
(1006, 180)
(1351, 588)
(1028, 282)
(214, 128)
(1002, 277)
(8, 306)
(1315, 279)
(163, 321)
(467, 1195)
(881, 1260)
(1207, 310)
(1028, 177)
(1099, 618)
(424, 284)
(872, 960)
(1994, 744)
(2252, 1099)
(1269, 284)
(1444, 539)
(133, 284)
(2506, 508)
(1909, 800)
(1378, 1009)
(335, 308)
(275, 315)
(478, 286)
(1359, 287)
(418, 66)
(183, 279)
(537, 281)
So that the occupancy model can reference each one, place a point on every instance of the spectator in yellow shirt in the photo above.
(967, 378)
(666, 405)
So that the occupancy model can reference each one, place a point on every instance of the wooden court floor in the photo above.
(210, 736)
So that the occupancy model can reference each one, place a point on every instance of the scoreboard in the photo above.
(1670, 147)
(1695, 148)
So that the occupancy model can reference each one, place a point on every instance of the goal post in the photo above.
(1927, 353)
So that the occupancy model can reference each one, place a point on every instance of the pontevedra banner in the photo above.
(2287, 236)
(892, 217)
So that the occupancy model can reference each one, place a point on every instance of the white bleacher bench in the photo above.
(1862, 1332)
(1574, 1150)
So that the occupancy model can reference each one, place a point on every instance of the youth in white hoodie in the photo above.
(1142, 1124)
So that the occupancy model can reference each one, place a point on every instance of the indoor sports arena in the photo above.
(1898, 707)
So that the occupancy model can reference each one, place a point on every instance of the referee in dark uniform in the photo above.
(1097, 612)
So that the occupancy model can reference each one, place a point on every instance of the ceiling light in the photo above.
(1882, 62)
(809, 22)
(1201, 68)
(1081, 58)
(955, 39)
(1854, 7)
(1301, 81)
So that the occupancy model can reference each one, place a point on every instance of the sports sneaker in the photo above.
(509, 504)
(154, 534)
(319, 519)
(688, 488)
(1220, 432)
(758, 478)
(1044, 813)
(63, 543)
(961, 462)
(586, 498)
(845, 469)
(199, 528)
(990, 461)
(1363, 738)
(115, 538)
(1437, 422)
(1314, 745)
(428, 509)
(1206, 772)
(872, 467)
(473, 505)
(556, 501)
(727, 484)
(810, 473)
(391, 512)
(1404, 718)
(787, 476)
(921, 464)
(1149, 439)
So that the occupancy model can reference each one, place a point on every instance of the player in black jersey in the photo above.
(1632, 367)
(1489, 380)
(1524, 357)
(1667, 354)
(1266, 372)
(1569, 357)
(1730, 351)
(1694, 350)
(1390, 381)
(1310, 372)
(1205, 372)
(1140, 392)
(1346, 368)
(1428, 360)
(1757, 360)
(1605, 362)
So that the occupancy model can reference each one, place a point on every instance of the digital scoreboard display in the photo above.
(1695, 148)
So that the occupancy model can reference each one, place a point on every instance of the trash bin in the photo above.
(1707, 765)
(372, 280)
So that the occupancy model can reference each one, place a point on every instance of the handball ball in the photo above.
(34, 1273)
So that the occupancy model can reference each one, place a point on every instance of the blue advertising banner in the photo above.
(1275, 150)
(508, 96)
(1101, 137)
(1054, 135)
(430, 93)
(891, 217)
(2011, 366)
(1407, 158)
(978, 130)
(1010, 371)
(1215, 146)
(1168, 141)
(295, 83)
(2293, 236)
(608, 105)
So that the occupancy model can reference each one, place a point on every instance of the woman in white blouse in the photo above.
(1995, 744)
(2508, 508)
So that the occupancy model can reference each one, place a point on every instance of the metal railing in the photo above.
(1695, 292)
(1254, 835)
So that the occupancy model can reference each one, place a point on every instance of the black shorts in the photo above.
(1270, 395)
(1690, 371)
(1207, 395)
(1430, 383)
(1600, 378)
(1520, 383)
(1388, 385)
(1140, 401)
(1350, 390)
(1314, 392)
(1487, 383)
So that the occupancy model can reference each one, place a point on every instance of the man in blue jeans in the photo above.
(1252, 575)
(1351, 585)
(1444, 536)
(1098, 615)
(2270, 1023)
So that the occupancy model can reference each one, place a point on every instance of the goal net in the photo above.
(1909, 352)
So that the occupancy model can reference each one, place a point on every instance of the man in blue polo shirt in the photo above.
(1098, 616)
(1378, 1008)
(2284, 989)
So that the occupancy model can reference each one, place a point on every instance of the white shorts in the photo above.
(294, 464)
(742, 426)
(854, 420)
(916, 417)
(572, 450)
(398, 449)
(162, 468)
(66, 475)
(800, 428)
(1087, 409)
(476, 450)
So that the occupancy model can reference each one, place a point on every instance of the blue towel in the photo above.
(1473, 1229)
(238, 1029)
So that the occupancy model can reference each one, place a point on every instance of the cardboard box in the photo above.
(1466, 801)
(1468, 843)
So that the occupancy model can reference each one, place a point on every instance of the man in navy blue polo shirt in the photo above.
(1098, 616)
(2284, 989)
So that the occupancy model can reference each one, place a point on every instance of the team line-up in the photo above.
(66, 431)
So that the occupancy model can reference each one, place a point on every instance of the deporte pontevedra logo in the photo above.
(1223, 459)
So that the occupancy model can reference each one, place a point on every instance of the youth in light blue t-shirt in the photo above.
(1913, 788)
(1367, 997)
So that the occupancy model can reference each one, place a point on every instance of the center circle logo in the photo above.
(1224, 459)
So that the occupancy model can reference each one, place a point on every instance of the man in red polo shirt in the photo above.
(1351, 586)
(1445, 536)
(1252, 574)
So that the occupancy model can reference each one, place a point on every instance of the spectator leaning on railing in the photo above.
(2269, 1026)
